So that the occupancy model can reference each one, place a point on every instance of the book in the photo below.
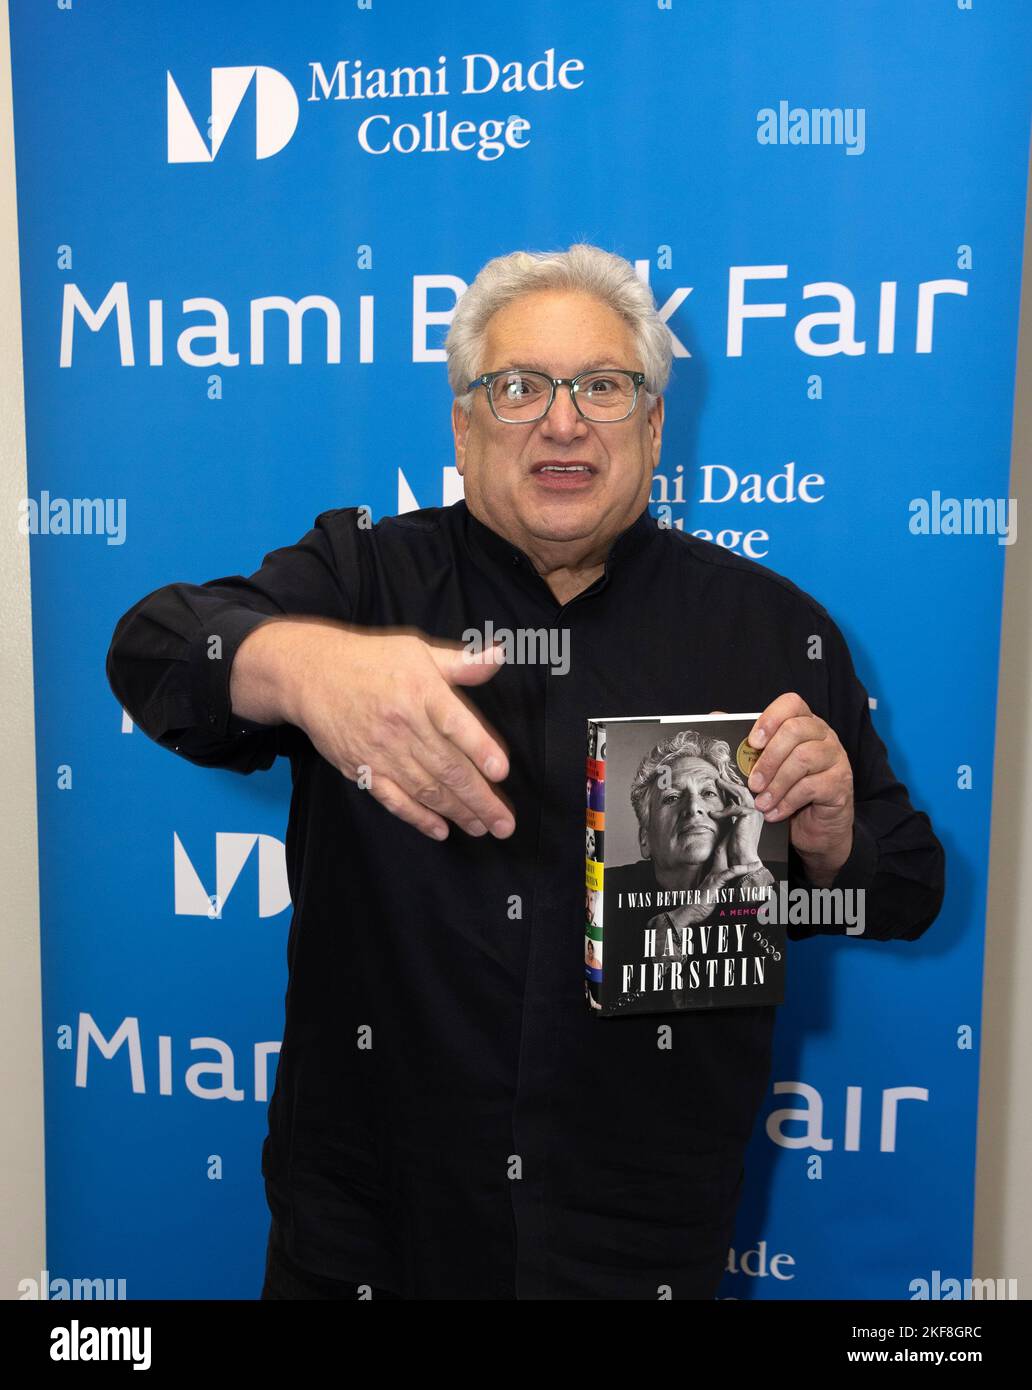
(678, 866)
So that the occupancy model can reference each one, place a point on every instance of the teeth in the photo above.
(572, 468)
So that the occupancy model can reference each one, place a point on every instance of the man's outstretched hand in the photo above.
(384, 710)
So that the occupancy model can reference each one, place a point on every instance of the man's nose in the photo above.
(692, 803)
(564, 420)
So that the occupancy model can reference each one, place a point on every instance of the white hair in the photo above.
(688, 743)
(584, 268)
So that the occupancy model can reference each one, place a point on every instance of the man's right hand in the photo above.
(383, 709)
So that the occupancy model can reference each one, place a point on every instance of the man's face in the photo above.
(562, 518)
(682, 829)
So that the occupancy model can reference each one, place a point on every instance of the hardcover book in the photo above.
(679, 864)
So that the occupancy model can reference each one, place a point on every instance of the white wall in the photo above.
(21, 1061)
(1003, 1206)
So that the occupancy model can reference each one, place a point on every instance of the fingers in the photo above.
(414, 744)
(431, 771)
(795, 734)
(762, 735)
(461, 666)
(454, 747)
(435, 788)
(400, 804)
(741, 795)
(784, 707)
(388, 703)
(744, 840)
(444, 779)
(826, 789)
(423, 784)
(458, 724)
(800, 748)
(792, 731)
(719, 879)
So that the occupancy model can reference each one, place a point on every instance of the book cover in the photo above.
(678, 864)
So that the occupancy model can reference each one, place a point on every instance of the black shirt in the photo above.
(448, 1119)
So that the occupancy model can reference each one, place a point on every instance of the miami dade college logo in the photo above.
(275, 114)
(232, 851)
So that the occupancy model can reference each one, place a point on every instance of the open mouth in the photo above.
(563, 475)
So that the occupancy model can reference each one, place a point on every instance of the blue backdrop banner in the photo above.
(243, 230)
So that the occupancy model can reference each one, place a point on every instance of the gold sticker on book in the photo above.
(747, 756)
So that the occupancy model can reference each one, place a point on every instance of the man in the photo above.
(449, 1120)
(700, 828)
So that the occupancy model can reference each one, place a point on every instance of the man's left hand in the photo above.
(804, 773)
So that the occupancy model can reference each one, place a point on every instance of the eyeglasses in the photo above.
(517, 397)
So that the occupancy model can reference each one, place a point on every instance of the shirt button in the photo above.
(213, 719)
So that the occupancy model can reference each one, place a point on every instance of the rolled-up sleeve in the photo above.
(172, 652)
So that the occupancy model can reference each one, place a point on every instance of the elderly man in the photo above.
(449, 1120)
(701, 828)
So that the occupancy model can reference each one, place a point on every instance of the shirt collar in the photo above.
(488, 545)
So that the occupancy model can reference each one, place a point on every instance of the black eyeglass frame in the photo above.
(486, 378)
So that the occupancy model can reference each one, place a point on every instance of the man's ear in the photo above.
(460, 428)
(656, 431)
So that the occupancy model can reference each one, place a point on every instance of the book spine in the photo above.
(594, 860)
